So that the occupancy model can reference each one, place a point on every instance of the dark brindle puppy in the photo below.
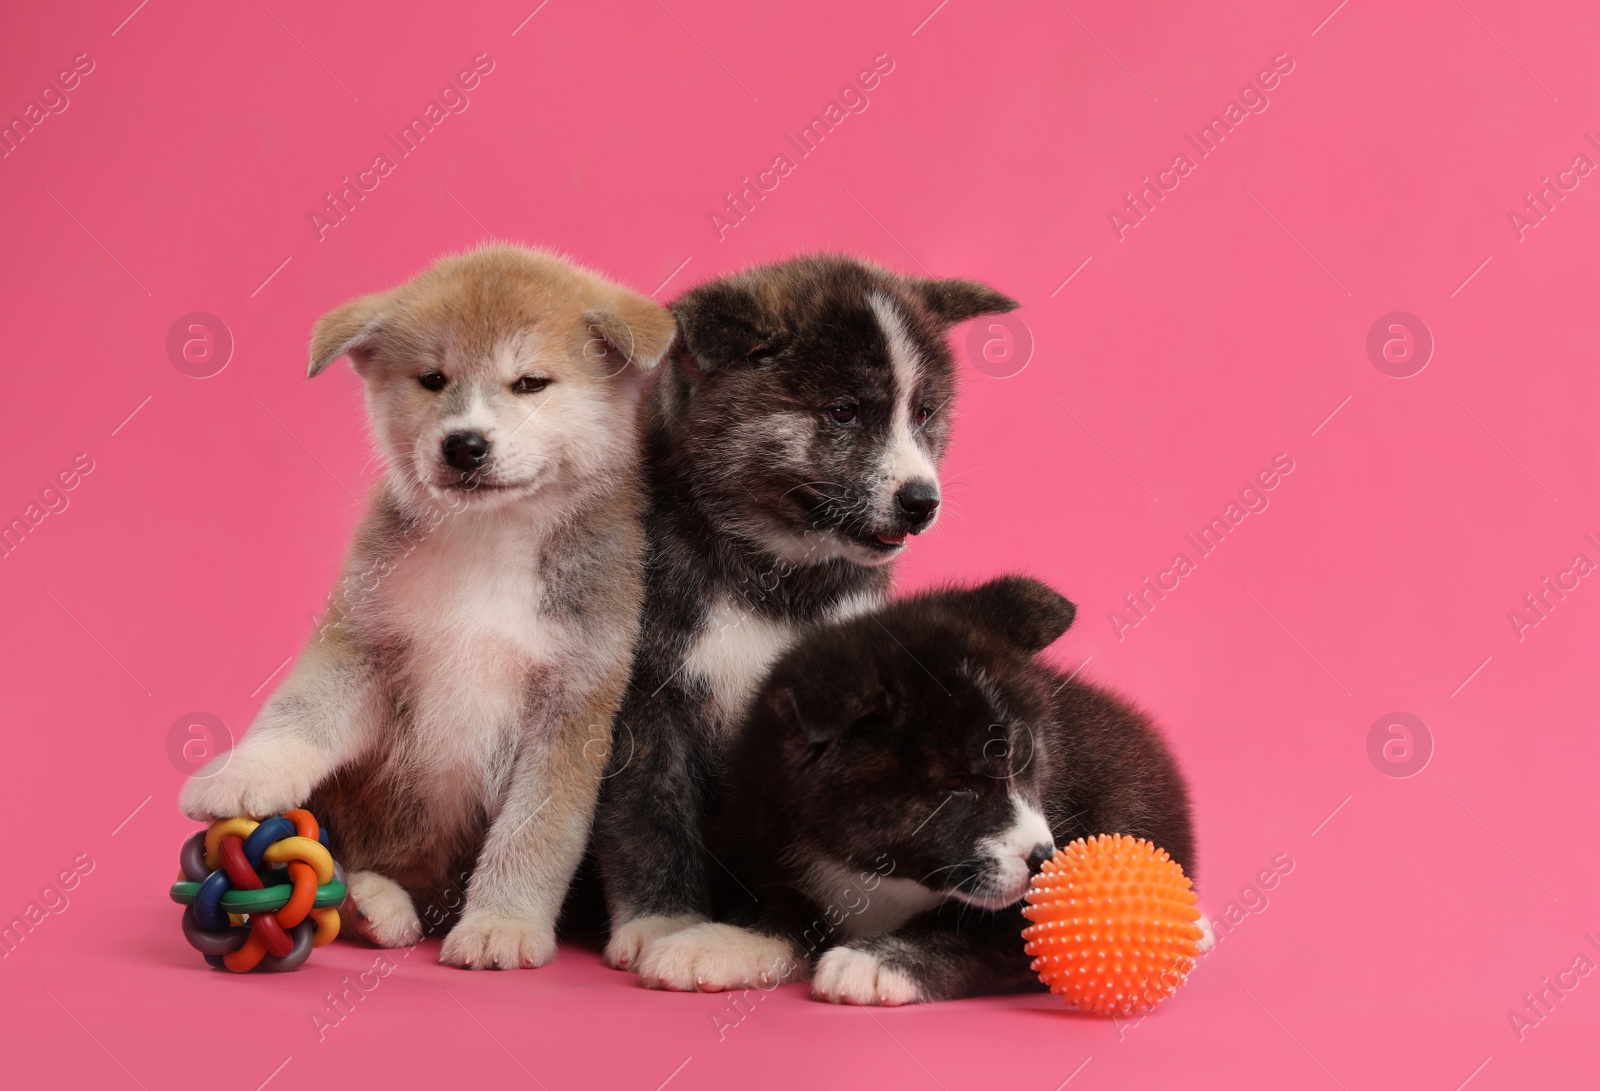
(903, 774)
(792, 446)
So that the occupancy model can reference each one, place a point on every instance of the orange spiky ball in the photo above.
(1115, 930)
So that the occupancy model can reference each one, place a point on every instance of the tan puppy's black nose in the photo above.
(465, 450)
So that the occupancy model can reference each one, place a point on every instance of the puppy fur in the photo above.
(792, 446)
(450, 719)
(899, 779)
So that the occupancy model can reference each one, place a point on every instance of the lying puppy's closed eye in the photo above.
(450, 720)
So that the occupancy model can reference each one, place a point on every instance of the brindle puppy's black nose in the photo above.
(1038, 856)
(465, 450)
(917, 501)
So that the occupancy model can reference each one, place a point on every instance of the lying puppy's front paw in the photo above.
(382, 912)
(256, 784)
(714, 957)
(849, 975)
(482, 941)
(628, 939)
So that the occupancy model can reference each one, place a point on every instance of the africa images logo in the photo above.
(853, 99)
(1253, 98)
(453, 98)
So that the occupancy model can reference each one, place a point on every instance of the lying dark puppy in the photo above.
(899, 779)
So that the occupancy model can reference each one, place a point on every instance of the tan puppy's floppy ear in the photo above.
(346, 331)
(956, 300)
(635, 330)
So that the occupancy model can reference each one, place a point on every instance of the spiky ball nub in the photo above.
(1115, 929)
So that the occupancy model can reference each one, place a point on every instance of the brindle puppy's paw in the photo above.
(715, 957)
(632, 937)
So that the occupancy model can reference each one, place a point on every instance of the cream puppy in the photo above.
(450, 720)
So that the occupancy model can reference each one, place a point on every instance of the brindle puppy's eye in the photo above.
(432, 380)
(529, 384)
(845, 413)
(957, 783)
(923, 415)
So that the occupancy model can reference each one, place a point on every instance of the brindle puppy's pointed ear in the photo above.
(719, 323)
(1023, 611)
(956, 300)
(350, 331)
(634, 330)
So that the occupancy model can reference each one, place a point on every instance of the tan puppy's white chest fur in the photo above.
(466, 605)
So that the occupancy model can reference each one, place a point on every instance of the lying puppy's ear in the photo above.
(783, 704)
(956, 300)
(348, 331)
(720, 323)
(633, 329)
(826, 716)
(1024, 611)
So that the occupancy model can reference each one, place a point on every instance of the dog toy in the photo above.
(1114, 927)
(259, 895)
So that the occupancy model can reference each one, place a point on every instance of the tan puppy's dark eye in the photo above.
(529, 384)
(432, 380)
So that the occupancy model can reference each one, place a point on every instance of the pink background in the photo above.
(1228, 327)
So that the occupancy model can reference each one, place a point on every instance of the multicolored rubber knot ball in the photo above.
(259, 895)
(1115, 930)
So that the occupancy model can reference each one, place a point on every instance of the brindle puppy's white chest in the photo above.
(731, 655)
(737, 646)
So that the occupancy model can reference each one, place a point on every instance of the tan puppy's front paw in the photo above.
(715, 957)
(632, 937)
(380, 911)
(252, 783)
(846, 975)
(483, 941)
